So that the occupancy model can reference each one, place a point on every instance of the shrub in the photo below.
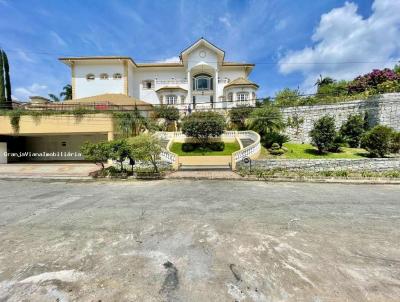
(239, 115)
(287, 97)
(276, 149)
(395, 143)
(169, 113)
(352, 130)
(377, 140)
(217, 146)
(389, 86)
(324, 133)
(96, 152)
(274, 137)
(187, 147)
(337, 143)
(203, 125)
(266, 119)
(372, 80)
(119, 151)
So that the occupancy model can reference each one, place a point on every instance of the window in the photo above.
(253, 95)
(117, 76)
(103, 76)
(90, 77)
(171, 99)
(202, 82)
(148, 84)
(230, 96)
(242, 96)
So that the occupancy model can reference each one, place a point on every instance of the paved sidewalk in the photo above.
(47, 170)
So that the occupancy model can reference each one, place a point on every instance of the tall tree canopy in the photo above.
(5, 83)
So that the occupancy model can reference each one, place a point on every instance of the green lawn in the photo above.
(229, 149)
(307, 151)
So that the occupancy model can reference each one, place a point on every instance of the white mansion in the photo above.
(202, 79)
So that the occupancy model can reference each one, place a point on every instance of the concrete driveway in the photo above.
(47, 170)
(180, 240)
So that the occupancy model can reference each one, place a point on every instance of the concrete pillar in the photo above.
(189, 81)
(3, 153)
(110, 136)
(216, 89)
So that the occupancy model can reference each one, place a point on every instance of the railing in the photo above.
(168, 82)
(249, 151)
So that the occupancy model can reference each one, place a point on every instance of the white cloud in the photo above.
(25, 57)
(343, 35)
(23, 93)
(225, 20)
(174, 59)
(60, 41)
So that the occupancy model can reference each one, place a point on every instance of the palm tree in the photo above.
(67, 92)
(324, 81)
(266, 119)
(54, 98)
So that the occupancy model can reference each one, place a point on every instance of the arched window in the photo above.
(117, 76)
(230, 96)
(90, 77)
(171, 99)
(104, 76)
(202, 81)
(242, 96)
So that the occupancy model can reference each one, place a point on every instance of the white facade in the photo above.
(201, 80)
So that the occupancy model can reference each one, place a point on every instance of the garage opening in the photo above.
(32, 148)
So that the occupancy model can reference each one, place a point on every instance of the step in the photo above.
(204, 168)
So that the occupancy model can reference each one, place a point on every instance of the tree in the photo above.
(7, 80)
(377, 141)
(203, 125)
(238, 116)
(287, 97)
(2, 83)
(352, 130)
(145, 147)
(323, 81)
(395, 143)
(66, 94)
(54, 98)
(266, 119)
(169, 113)
(96, 152)
(119, 151)
(324, 133)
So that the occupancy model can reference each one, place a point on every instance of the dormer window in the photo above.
(117, 76)
(90, 77)
(103, 76)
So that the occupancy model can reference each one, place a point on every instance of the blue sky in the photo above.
(291, 42)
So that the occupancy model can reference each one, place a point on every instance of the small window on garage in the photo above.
(117, 76)
(104, 76)
(64, 144)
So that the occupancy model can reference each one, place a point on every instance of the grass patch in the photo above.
(307, 151)
(228, 150)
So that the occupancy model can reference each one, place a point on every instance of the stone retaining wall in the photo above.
(383, 109)
(368, 164)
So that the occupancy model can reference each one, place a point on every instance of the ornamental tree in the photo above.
(377, 141)
(145, 147)
(202, 125)
(352, 130)
(372, 80)
(266, 119)
(324, 133)
(96, 152)
(238, 116)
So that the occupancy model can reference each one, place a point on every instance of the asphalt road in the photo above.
(198, 241)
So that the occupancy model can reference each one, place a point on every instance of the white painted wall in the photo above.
(85, 88)
(3, 153)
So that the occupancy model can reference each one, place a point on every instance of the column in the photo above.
(216, 89)
(189, 81)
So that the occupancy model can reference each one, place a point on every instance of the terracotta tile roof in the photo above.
(109, 98)
(241, 82)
